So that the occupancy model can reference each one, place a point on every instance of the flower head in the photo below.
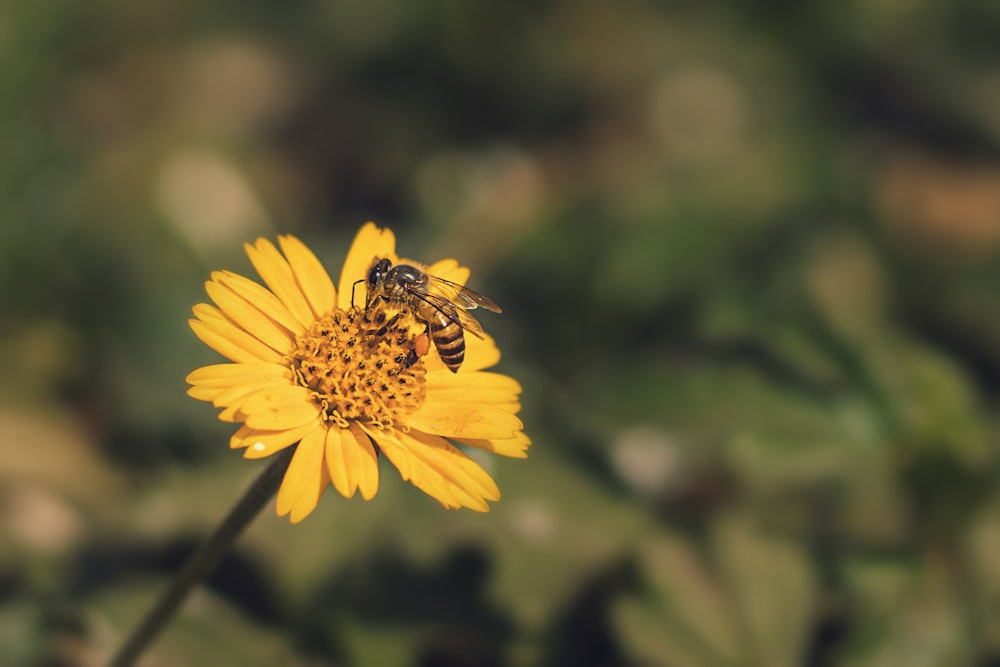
(311, 365)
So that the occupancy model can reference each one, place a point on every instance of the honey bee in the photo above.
(438, 303)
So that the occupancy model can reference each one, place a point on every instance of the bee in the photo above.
(438, 303)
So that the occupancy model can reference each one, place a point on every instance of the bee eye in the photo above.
(377, 271)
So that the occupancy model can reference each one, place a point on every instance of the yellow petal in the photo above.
(452, 463)
(203, 392)
(352, 463)
(480, 353)
(365, 460)
(306, 503)
(304, 480)
(411, 469)
(278, 408)
(312, 278)
(220, 334)
(278, 276)
(336, 466)
(408, 466)
(249, 317)
(221, 375)
(261, 297)
(370, 242)
(449, 270)
(242, 437)
(232, 414)
(210, 382)
(259, 444)
(472, 387)
(516, 447)
(439, 469)
(469, 420)
(236, 395)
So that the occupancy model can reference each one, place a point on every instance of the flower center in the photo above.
(362, 365)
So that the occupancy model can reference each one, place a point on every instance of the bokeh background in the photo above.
(749, 256)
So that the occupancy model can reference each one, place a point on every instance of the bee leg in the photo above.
(354, 288)
(388, 324)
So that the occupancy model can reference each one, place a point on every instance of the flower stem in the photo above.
(207, 557)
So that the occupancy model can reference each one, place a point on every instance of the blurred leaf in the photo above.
(908, 613)
(745, 599)
(21, 638)
(207, 629)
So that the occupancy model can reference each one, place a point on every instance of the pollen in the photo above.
(362, 366)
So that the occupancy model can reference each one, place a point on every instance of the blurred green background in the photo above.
(748, 254)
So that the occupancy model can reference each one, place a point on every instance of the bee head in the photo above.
(377, 273)
(374, 278)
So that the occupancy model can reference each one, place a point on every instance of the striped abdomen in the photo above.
(449, 339)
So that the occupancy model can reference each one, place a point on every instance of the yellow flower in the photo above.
(310, 367)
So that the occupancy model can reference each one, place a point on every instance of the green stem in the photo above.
(206, 558)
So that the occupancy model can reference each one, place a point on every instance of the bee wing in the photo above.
(469, 323)
(459, 295)
(454, 313)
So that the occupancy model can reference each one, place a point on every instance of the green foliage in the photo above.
(748, 256)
